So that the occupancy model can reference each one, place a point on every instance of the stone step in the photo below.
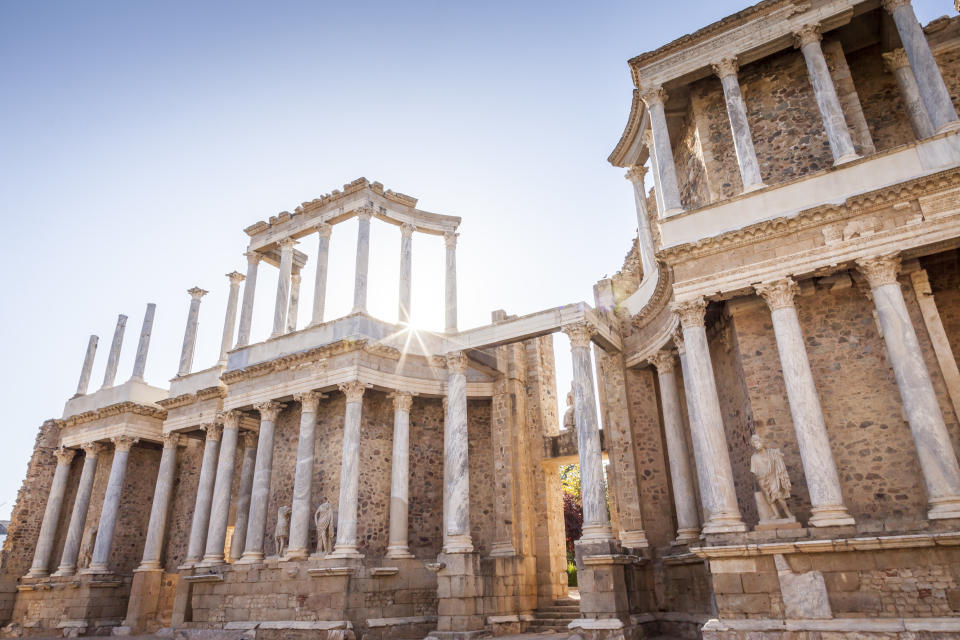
(555, 615)
(574, 611)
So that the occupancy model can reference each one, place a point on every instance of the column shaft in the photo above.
(156, 530)
(737, 112)
(450, 283)
(111, 505)
(648, 259)
(898, 64)
(238, 542)
(346, 545)
(657, 189)
(663, 152)
(249, 291)
(398, 545)
(230, 317)
(190, 333)
(294, 308)
(51, 515)
(222, 489)
(303, 475)
(201, 509)
(88, 357)
(260, 493)
(78, 518)
(320, 284)
(456, 464)
(406, 268)
(143, 346)
(113, 360)
(283, 287)
(363, 262)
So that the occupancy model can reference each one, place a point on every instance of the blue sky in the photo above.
(137, 140)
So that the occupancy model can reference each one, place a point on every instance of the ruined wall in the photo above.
(480, 452)
(688, 158)
(706, 96)
(426, 477)
(880, 98)
(183, 499)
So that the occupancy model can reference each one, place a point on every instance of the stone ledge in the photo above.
(205, 577)
(871, 543)
(319, 572)
(384, 571)
(608, 558)
(375, 623)
(596, 623)
(306, 625)
(875, 625)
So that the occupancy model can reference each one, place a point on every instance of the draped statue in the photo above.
(281, 535)
(771, 473)
(323, 518)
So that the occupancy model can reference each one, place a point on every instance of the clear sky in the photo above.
(138, 139)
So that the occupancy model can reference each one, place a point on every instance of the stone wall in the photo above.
(182, 502)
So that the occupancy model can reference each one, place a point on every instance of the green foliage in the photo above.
(570, 479)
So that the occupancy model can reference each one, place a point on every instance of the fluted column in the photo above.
(933, 91)
(294, 308)
(303, 475)
(111, 504)
(710, 443)
(283, 287)
(648, 259)
(51, 515)
(320, 283)
(663, 151)
(596, 522)
(190, 334)
(156, 530)
(456, 465)
(823, 482)
(363, 262)
(201, 509)
(896, 61)
(260, 493)
(838, 134)
(398, 541)
(239, 539)
(81, 504)
(681, 476)
(230, 317)
(143, 346)
(222, 489)
(346, 544)
(88, 357)
(938, 462)
(249, 291)
(113, 360)
(726, 70)
(406, 269)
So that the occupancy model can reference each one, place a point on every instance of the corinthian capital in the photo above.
(896, 59)
(213, 431)
(196, 293)
(124, 443)
(269, 410)
(171, 440)
(636, 173)
(92, 449)
(309, 401)
(457, 362)
(364, 214)
(654, 96)
(286, 244)
(806, 34)
(231, 419)
(678, 340)
(253, 257)
(450, 238)
(236, 278)
(579, 333)
(402, 400)
(726, 67)
(324, 229)
(407, 229)
(353, 390)
(777, 294)
(891, 5)
(691, 312)
(64, 455)
(880, 270)
(648, 139)
(662, 360)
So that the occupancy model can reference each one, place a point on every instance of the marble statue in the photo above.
(767, 465)
(281, 535)
(323, 518)
(86, 548)
(569, 419)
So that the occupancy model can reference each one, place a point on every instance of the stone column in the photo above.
(230, 317)
(823, 482)
(84, 382)
(657, 189)
(450, 282)
(710, 442)
(201, 509)
(648, 258)
(283, 287)
(249, 290)
(938, 461)
(693, 420)
(896, 61)
(596, 522)
(455, 459)
(222, 489)
(190, 334)
(294, 302)
(113, 360)
(663, 152)
(406, 267)
(51, 515)
(303, 476)
(81, 504)
(111, 504)
(239, 539)
(260, 492)
(681, 476)
(841, 144)
(398, 541)
(346, 544)
(363, 262)
(156, 530)
(726, 70)
(320, 284)
(933, 91)
(140, 363)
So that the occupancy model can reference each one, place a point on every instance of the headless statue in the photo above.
(323, 518)
(281, 535)
(569, 417)
(771, 473)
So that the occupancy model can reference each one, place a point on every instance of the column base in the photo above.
(148, 566)
(634, 539)
(460, 543)
(944, 508)
(37, 573)
(685, 537)
(399, 551)
(251, 557)
(342, 551)
(724, 523)
(754, 187)
(502, 550)
(834, 516)
(850, 157)
(295, 554)
(597, 532)
(953, 125)
(212, 560)
(674, 211)
(65, 571)
(94, 569)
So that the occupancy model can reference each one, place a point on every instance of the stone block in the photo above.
(727, 583)
(842, 581)
(733, 604)
(855, 602)
(760, 582)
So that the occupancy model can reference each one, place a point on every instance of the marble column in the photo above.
(260, 492)
(726, 70)
(398, 540)
(823, 482)
(283, 287)
(201, 509)
(222, 489)
(113, 360)
(938, 462)
(648, 258)
(320, 284)
(710, 442)
(81, 504)
(239, 539)
(91, 353)
(933, 91)
(450, 282)
(190, 334)
(596, 522)
(363, 262)
(663, 151)
(838, 133)
(230, 317)
(111, 504)
(51, 515)
(249, 291)
(681, 476)
(143, 346)
(156, 530)
(456, 465)
(896, 61)
(657, 190)
(406, 268)
(346, 544)
(294, 307)
(693, 420)
(302, 510)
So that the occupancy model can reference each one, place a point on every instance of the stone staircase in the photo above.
(555, 617)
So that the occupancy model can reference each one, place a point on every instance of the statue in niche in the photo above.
(767, 465)
(281, 535)
(569, 417)
(323, 518)
(86, 548)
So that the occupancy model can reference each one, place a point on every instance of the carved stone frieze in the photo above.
(115, 410)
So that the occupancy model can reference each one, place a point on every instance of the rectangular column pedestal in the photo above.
(147, 597)
(460, 597)
(604, 601)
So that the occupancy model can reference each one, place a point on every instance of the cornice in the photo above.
(115, 410)
(218, 391)
(630, 132)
